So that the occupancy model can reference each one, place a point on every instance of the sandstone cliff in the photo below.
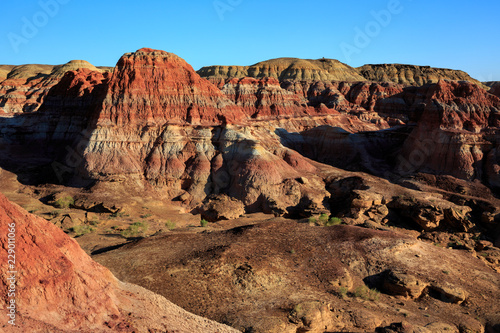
(458, 134)
(287, 69)
(145, 133)
(411, 75)
(151, 87)
(61, 289)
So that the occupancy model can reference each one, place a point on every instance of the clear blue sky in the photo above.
(452, 34)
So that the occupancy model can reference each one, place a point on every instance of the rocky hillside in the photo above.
(283, 276)
(494, 87)
(4, 71)
(61, 289)
(411, 75)
(286, 69)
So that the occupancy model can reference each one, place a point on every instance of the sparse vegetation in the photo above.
(333, 221)
(446, 272)
(343, 292)
(64, 202)
(312, 220)
(323, 219)
(94, 222)
(119, 214)
(145, 216)
(367, 294)
(81, 230)
(292, 251)
(170, 225)
(455, 244)
(203, 223)
(135, 229)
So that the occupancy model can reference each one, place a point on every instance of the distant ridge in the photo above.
(287, 69)
(412, 75)
(334, 70)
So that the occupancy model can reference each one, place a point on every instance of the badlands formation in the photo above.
(292, 195)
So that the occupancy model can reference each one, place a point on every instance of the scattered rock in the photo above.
(313, 316)
(450, 293)
(221, 207)
(402, 284)
(439, 327)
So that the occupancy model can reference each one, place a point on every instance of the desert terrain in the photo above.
(292, 195)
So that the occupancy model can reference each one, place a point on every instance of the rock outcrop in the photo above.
(151, 87)
(59, 288)
(411, 75)
(457, 133)
(145, 131)
(287, 69)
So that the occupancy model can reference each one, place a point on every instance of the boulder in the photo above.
(401, 283)
(221, 207)
(449, 293)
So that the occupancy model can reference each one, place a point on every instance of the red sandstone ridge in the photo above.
(457, 130)
(151, 87)
(264, 98)
(61, 289)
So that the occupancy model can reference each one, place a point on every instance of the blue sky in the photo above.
(451, 34)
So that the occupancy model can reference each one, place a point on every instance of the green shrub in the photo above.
(64, 202)
(170, 225)
(135, 229)
(343, 292)
(312, 220)
(333, 221)
(323, 218)
(203, 223)
(81, 230)
(145, 216)
(366, 293)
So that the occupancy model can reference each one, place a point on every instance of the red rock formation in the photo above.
(154, 121)
(265, 99)
(27, 85)
(458, 128)
(151, 87)
(156, 143)
(58, 126)
(61, 289)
